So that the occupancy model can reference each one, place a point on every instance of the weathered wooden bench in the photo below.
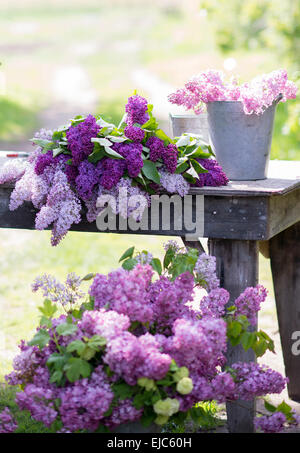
(239, 219)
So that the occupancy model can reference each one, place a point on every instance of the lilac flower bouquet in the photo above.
(142, 346)
(256, 95)
(75, 164)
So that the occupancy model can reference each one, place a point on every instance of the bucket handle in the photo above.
(279, 97)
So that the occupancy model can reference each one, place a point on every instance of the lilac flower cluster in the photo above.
(256, 95)
(7, 422)
(214, 177)
(12, 170)
(79, 138)
(174, 183)
(128, 296)
(72, 166)
(270, 423)
(205, 269)
(136, 109)
(63, 294)
(168, 153)
(84, 404)
(254, 380)
(144, 328)
(248, 303)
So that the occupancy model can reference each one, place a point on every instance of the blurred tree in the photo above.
(273, 25)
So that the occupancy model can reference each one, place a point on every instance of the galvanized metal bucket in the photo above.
(194, 124)
(241, 142)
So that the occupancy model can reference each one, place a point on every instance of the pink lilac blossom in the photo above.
(215, 175)
(84, 403)
(79, 138)
(255, 96)
(134, 357)
(248, 303)
(136, 109)
(270, 423)
(7, 422)
(107, 324)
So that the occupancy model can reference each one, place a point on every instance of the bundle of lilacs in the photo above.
(143, 346)
(74, 165)
(256, 95)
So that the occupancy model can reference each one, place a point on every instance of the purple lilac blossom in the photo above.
(270, 423)
(123, 412)
(7, 422)
(136, 109)
(169, 157)
(88, 177)
(113, 170)
(214, 303)
(248, 303)
(84, 403)
(205, 269)
(254, 380)
(134, 133)
(125, 292)
(79, 138)
(215, 175)
(63, 294)
(156, 147)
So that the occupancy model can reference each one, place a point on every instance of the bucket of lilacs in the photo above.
(142, 349)
(74, 165)
(240, 117)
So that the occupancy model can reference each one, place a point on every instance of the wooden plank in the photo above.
(245, 218)
(237, 268)
(284, 211)
(285, 265)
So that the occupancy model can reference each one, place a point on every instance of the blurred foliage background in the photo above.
(61, 58)
(64, 57)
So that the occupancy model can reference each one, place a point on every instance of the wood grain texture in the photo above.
(237, 268)
(245, 218)
(285, 265)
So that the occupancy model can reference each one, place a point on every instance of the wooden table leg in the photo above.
(285, 265)
(237, 268)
